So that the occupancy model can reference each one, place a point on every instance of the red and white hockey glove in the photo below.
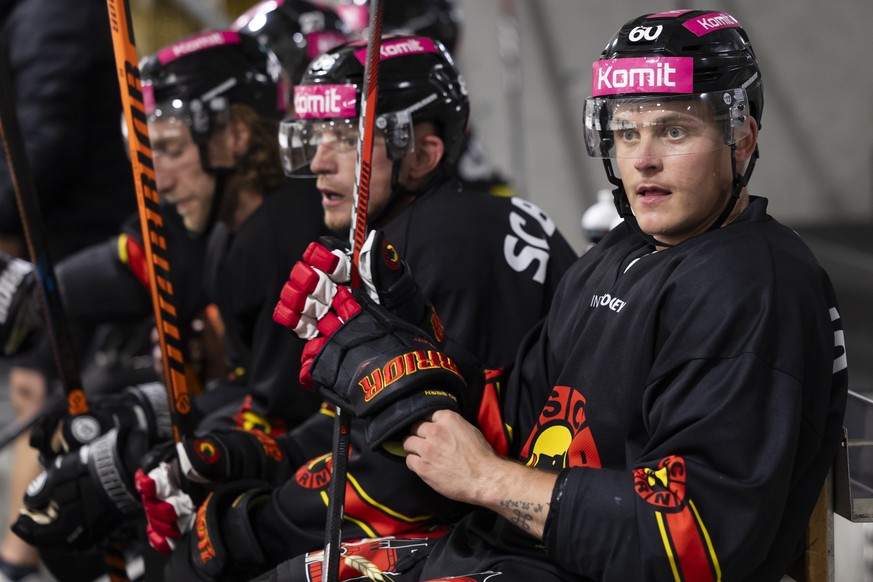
(379, 367)
(385, 278)
(169, 510)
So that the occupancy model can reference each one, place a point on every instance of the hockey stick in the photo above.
(12, 431)
(150, 218)
(358, 234)
(57, 330)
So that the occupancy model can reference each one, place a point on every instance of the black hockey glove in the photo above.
(83, 496)
(380, 368)
(226, 455)
(223, 543)
(20, 317)
(143, 407)
(385, 277)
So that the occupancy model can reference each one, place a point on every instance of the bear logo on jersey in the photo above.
(562, 437)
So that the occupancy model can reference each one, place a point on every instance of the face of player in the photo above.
(180, 176)
(334, 165)
(676, 182)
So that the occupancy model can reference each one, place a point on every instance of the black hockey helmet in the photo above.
(296, 30)
(439, 19)
(198, 78)
(418, 81)
(700, 57)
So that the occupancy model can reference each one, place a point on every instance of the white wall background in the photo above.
(816, 141)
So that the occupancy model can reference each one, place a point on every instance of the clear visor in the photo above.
(300, 139)
(174, 145)
(201, 117)
(668, 125)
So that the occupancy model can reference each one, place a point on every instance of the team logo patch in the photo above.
(390, 256)
(562, 437)
(687, 543)
(207, 451)
(315, 474)
(663, 487)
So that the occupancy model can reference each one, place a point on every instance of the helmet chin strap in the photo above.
(622, 204)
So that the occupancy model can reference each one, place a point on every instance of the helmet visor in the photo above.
(665, 125)
(299, 139)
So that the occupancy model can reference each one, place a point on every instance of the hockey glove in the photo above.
(226, 455)
(20, 317)
(144, 407)
(380, 368)
(83, 496)
(169, 510)
(224, 545)
(387, 280)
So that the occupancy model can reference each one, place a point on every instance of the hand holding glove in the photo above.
(379, 368)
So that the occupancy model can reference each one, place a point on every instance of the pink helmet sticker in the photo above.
(710, 22)
(196, 43)
(321, 42)
(148, 98)
(324, 101)
(400, 47)
(642, 75)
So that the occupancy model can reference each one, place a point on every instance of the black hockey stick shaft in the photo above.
(57, 329)
(150, 217)
(358, 234)
(12, 431)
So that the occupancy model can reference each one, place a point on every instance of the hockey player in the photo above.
(488, 264)
(213, 105)
(692, 366)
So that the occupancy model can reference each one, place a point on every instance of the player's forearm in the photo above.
(521, 495)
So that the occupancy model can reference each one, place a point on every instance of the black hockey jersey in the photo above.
(245, 274)
(692, 399)
(490, 266)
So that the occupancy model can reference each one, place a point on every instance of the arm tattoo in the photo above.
(523, 511)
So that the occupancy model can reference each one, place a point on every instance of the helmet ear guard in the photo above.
(399, 133)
